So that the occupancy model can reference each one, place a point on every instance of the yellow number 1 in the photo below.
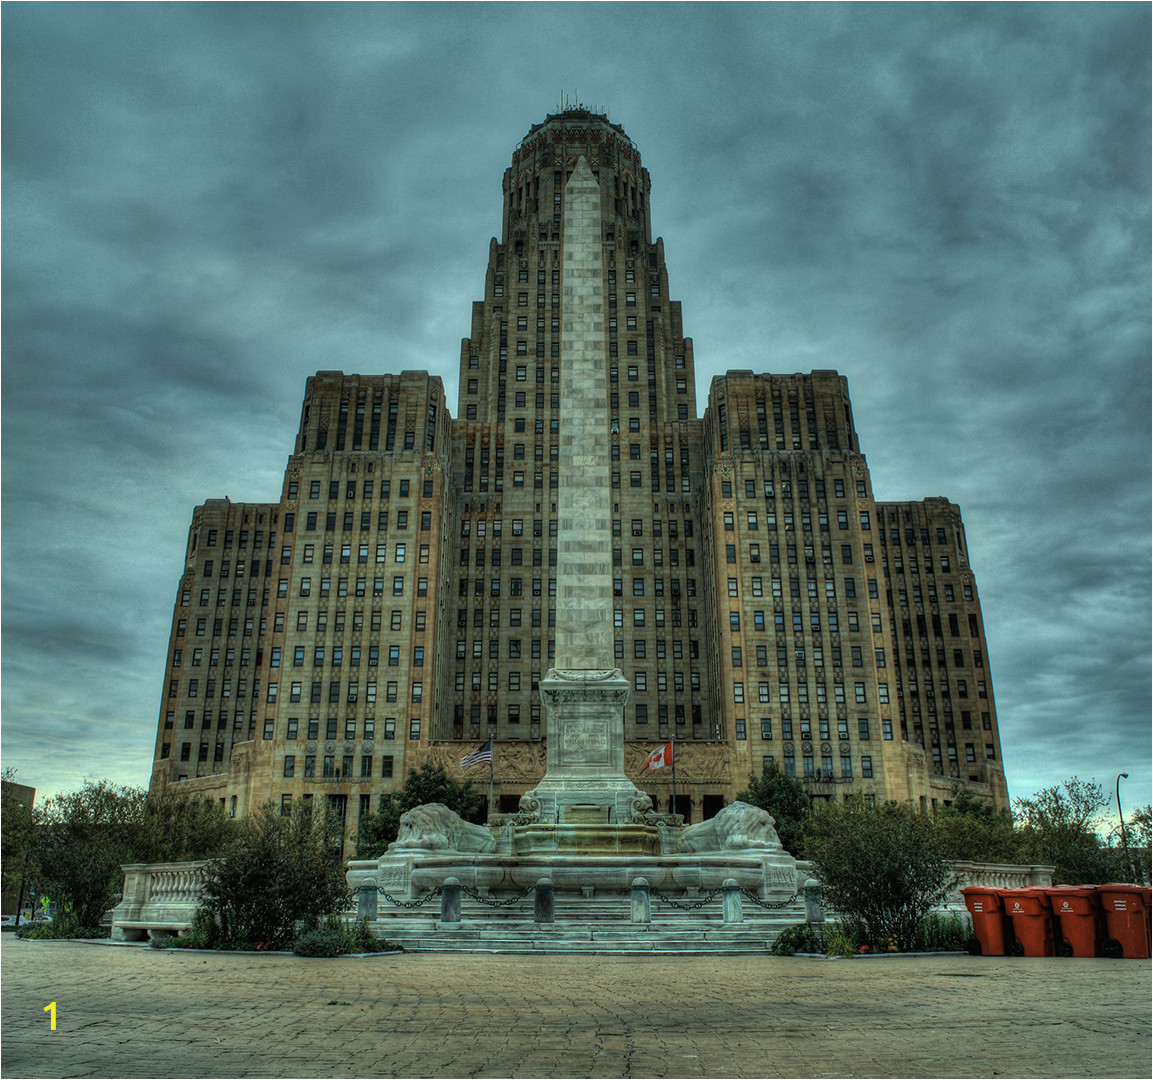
(51, 1009)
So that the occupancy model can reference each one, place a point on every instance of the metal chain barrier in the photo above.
(474, 895)
(772, 907)
(686, 907)
(406, 903)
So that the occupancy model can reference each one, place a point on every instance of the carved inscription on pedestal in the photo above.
(587, 744)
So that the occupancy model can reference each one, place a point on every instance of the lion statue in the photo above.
(737, 827)
(434, 827)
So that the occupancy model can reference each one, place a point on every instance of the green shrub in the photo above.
(882, 865)
(276, 878)
(61, 928)
(37, 931)
(324, 941)
(360, 939)
(203, 934)
(941, 933)
(844, 940)
(935, 933)
(803, 938)
(335, 937)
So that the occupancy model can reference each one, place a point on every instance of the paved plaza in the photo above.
(138, 1012)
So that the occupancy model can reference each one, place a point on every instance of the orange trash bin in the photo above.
(1032, 918)
(1147, 893)
(1078, 915)
(1125, 908)
(988, 914)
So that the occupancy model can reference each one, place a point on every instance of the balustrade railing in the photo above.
(159, 898)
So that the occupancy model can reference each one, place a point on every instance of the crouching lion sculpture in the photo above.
(434, 827)
(738, 826)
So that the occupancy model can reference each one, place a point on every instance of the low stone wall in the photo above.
(995, 876)
(160, 899)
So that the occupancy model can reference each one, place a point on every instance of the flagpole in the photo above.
(490, 784)
(673, 744)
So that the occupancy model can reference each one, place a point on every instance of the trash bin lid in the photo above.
(1031, 901)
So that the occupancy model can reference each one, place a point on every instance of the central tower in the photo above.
(577, 368)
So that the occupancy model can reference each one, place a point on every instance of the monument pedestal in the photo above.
(585, 757)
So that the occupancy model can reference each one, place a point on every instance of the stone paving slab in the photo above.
(139, 1012)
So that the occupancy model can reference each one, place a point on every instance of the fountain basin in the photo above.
(678, 877)
(586, 839)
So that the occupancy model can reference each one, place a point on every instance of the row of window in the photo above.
(359, 586)
(296, 690)
(332, 729)
(211, 686)
(641, 713)
(522, 297)
(368, 489)
(856, 653)
(336, 658)
(334, 767)
(518, 426)
(230, 535)
(348, 521)
(239, 721)
(790, 489)
(639, 615)
(804, 728)
(860, 693)
(516, 587)
(396, 620)
(810, 769)
(350, 691)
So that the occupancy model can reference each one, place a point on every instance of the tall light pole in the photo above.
(1121, 818)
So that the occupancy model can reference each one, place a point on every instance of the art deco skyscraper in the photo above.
(398, 603)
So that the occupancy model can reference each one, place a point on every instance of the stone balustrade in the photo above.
(994, 876)
(965, 873)
(160, 899)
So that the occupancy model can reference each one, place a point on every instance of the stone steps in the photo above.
(599, 928)
(611, 910)
(533, 938)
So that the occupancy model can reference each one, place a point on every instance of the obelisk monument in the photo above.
(584, 694)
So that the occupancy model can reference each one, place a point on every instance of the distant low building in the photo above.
(10, 893)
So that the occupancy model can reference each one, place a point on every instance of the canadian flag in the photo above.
(659, 758)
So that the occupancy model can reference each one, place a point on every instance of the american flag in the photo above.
(481, 753)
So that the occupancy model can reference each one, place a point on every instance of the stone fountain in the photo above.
(585, 828)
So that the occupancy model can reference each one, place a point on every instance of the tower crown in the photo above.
(576, 126)
(542, 164)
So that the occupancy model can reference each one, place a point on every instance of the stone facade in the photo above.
(398, 603)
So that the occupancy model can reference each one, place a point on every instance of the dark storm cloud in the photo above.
(204, 204)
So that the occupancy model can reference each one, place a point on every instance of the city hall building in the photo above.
(396, 603)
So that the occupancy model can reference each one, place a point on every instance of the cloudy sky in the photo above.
(204, 204)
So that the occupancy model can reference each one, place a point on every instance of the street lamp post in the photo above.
(1121, 818)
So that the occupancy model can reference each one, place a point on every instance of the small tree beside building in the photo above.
(881, 865)
(786, 799)
(430, 785)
